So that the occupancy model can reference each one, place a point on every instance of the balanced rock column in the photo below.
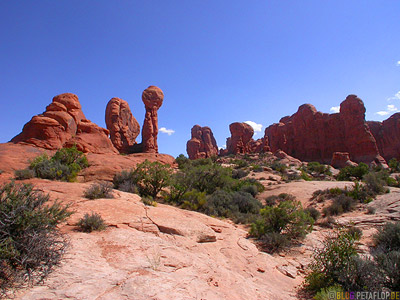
(152, 98)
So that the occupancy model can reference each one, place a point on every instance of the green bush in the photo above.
(64, 165)
(387, 238)
(313, 212)
(272, 242)
(99, 190)
(148, 178)
(340, 204)
(358, 172)
(330, 261)
(315, 168)
(194, 200)
(240, 163)
(241, 207)
(287, 217)
(278, 166)
(394, 165)
(149, 201)
(24, 174)
(326, 293)
(30, 244)
(182, 161)
(91, 222)
(239, 173)
(375, 182)
(389, 264)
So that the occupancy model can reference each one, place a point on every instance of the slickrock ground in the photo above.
(156, 253)
(168, 253)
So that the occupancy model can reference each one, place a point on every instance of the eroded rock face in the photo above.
(152, 98)
(310, 135)
(63, 124)
(387, 136)
(202, 144)
(122, 125)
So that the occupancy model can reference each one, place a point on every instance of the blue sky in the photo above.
(217, 62)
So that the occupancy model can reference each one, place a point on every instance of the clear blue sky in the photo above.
(217, 61)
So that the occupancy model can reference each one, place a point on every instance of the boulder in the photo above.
(63, 124)
(122, 125)
(341, 160)
(202, 143)
(152, 98)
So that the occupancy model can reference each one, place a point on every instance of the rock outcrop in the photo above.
(341, 160)
(122, 125)
(387, 136)
(152, 98)
(63, 124)
(202, 144)
(310, 135)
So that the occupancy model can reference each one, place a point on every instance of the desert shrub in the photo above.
(24, 174)
(126, 181)
(330, 261)
(241, 207)
(91, 222)
(374, 183)
(340, 204)
(182, 161)
(394, 165)
(242, 185)
(149, 201)
(317, 169)
(64, 165)
(361, 274)
(387, 238)
(257, 168)
(349, 172)
(250, 189)
(240, 163)
(276, 199)
(287, 217)
(313, 212)
(194, 200)
(30, 244)
(99, 190)
(272, 242)
(329, 222)
(389, 264)
(326, 293)
(355, 232)
(371, 210)
(278, 166)
(148, 178)
(239, 173)
(305, 176)
(394, 182)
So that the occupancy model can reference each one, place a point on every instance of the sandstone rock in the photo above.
(122, 125)
(287, 159)
(202, 144)
(63, 124)
(387, 136)
(152, 98)
(241, 135)
(310, 135)
(341, 160)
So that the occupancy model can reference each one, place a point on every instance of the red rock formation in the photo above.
(63, 124)
(241, 140)
(287, 159)
(152, 98)
(202, 144)
(310, 135)
(341, 160)
(387, 136)
(122, 125)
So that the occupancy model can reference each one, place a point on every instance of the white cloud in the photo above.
(398, 63)
(391, 107)
(256, 127)
(223, 147)
(382, 113)
(395, 97)
(335, 109)
(167, 131)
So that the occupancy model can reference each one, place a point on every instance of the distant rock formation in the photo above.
(202, 144)
(341, 160)
(63, 124)
(310, 135)
(152, 98)
(122, 125)
(387, 136)
(242, 142)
